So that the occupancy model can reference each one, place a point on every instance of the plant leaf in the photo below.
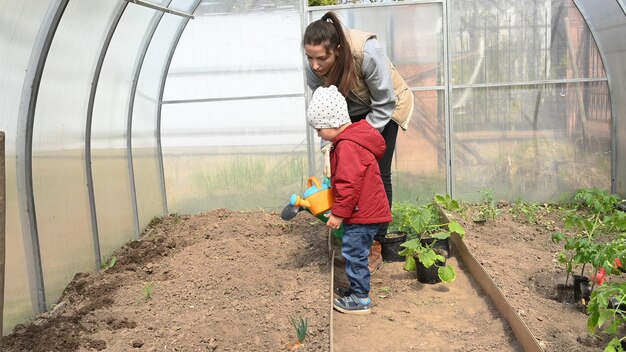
(446, 273)
(454, 226)
(428, 257)
(409, 263)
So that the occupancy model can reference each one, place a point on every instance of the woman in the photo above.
(357, 64)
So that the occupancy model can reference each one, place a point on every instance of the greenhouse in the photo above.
(147, 128)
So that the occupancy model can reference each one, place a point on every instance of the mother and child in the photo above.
(359, 101)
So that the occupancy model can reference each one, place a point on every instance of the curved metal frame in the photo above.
(24, 149)
(129, 127)
(606, 15)
(164, 73)
(88, 129)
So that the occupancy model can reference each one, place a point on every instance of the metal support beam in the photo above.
(161, 8)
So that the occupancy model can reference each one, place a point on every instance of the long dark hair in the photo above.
(329, 31)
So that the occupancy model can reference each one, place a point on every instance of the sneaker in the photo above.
(342, 291)
(352, 304)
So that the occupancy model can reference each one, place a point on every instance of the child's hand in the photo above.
(334, 222)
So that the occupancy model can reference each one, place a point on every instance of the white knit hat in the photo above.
(327, 109)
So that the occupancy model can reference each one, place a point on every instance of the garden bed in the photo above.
(218, 281)
(517, 251)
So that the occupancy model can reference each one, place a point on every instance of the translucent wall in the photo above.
(608, 23)
(58, 166)
(147, 170)
(24, 19)
(115, 194)
(83, 86)
(529, 104)
(413, 38)
(232, 126)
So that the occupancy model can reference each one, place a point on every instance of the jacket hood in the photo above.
(363, 134)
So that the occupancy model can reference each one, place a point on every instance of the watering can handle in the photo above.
(313, 180)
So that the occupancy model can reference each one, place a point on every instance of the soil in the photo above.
(234, 281)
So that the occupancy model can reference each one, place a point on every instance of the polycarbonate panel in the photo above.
(511, 41)
(215, 159)
(534, 143)
(233, 123)
(20, 22)
(59, 176)
(255, 54)
(147, 170)
(242, 144)
(419, 168)
(608, 23)
(109, 129)
(412, 35)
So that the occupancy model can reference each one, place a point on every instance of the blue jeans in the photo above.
(355, 247)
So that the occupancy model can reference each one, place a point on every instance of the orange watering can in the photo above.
(318, 198)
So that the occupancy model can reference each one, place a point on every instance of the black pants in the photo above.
(389, 133)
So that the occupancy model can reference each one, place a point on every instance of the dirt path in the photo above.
(411, 316)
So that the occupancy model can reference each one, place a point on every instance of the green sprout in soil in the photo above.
(148, 289)
(111, 263)
(488, 208)
(526, 211)
(384, 289)
(301, 326)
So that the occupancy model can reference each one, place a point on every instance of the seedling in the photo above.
(447, 202)
(111, 263)
(594, 217)
(607, 312)
(422, 222)
(384, 289)
(488, 209)
(148, 290)
(528, 211)
(301, 326)
(427, 255)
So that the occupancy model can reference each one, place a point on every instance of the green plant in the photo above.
(615, 345)
(419, 220)
(487, 206)
(412, 218)
(301, 326)
(594, 215)
(322, 2)
(607, 311)
(111, 263)
(384, 289)
(447, 202)
(528, 211)
(148, 289)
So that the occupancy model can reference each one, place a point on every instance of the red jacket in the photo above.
(360, 196)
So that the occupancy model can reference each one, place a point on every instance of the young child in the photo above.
(361, 203)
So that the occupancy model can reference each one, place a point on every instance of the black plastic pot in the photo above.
(581, 288)
(428, 275)
(391, 246)
(442, 247)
